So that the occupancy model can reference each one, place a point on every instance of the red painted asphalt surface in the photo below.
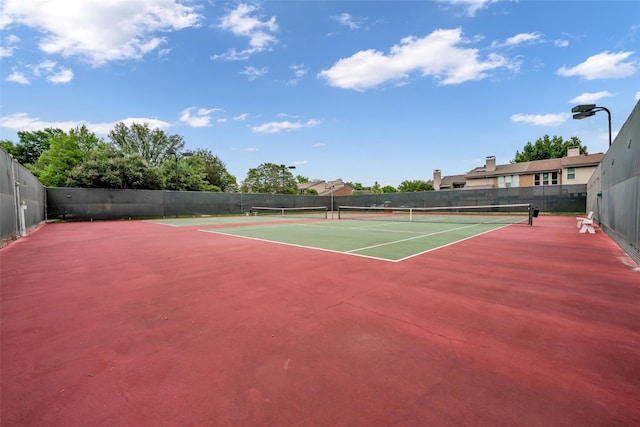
(138, 324)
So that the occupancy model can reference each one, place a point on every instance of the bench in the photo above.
(586, 224)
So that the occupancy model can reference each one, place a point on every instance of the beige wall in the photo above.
(582, 175)
(481, 182)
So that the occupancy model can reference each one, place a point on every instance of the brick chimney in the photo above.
(437, 179)
(491, 164)
(573, 151)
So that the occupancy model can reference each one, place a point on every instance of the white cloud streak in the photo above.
(590, 98)
(438, 55)
(471, 6)
(540, 119)
(275, 127)
(604, 65)
(253, 73)
(197, 117)
(348, 21)
(24, 122)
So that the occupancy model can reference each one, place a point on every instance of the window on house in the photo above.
(571, 173)
(548, 178)
(508, 181)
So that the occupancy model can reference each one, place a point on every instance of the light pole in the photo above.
(177, 156)
(284, 168)
(588, 110)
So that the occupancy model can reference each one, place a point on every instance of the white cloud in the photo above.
(348, 21)
(250, 150)
(241, 22)
(10, 43)
(522, 38)
(18, 77)
(22, 121)
(540, 119)
(197, 117)
(472, 6)
(561, 43)
(51, 71)
(275, 127)
(100, 31)
(318, 145)
(241, 117)
(64, 75)
(638, 96)
(299, 71)
(604, 65)
(437, 55)
(253, 73)
(590, 98)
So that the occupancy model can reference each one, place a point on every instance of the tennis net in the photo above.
(488, 214)
(302, 212)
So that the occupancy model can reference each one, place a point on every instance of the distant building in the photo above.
(575, 168)
(326, 188)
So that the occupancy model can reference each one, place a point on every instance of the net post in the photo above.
(530, 214)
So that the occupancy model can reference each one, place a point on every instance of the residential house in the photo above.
(575, 168)
(326, 188)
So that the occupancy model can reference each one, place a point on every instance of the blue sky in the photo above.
(365, 91)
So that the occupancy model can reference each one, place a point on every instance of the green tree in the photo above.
(65, 152)
(107, 167)
(31, 145)
(154, 145)
(191, 174)
(301, 179)
(389, 189)
(376, 188)
(216, 174)
(356, 186)
(408, 186)
(8, 146)
(268, 178)
(548, 148)
(311, 192)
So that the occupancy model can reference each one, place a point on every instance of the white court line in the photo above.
(352, 251)
(411, 238)
(298, 246)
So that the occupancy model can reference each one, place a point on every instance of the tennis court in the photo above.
(214, 321)
(379, 233)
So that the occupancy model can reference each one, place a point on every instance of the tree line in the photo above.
(138, 157)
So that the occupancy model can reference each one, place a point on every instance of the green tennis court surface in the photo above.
(384, 240)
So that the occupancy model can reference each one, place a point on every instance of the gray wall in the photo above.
(19, 189)
(614, 188)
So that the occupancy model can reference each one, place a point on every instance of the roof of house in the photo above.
(322, 187)
(536, 166)
(451, 180)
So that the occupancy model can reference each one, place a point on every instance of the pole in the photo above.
(177, 178)
(609, 116)
(283, 168)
